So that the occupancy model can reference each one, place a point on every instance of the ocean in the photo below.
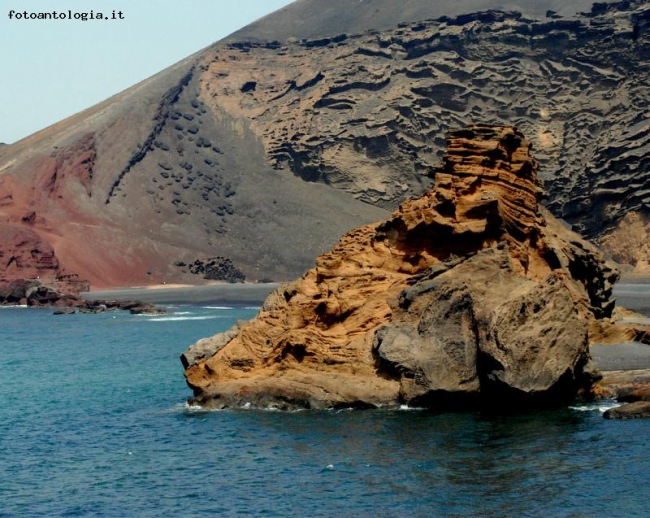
(93, 422)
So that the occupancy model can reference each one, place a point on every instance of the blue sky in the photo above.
(54, 68)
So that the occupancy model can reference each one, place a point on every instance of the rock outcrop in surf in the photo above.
(472, 294)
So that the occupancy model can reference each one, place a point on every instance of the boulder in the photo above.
(498, 339)
(39, 296)
(636, 410)
(14, 291)
(146, 308)
(471, 295)
(64, 311)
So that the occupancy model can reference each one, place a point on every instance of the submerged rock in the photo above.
(472, 294)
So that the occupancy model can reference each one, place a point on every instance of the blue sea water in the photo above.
(93, 423)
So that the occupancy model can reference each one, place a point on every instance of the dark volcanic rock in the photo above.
(64, 311)
(471, 294)
(217, 269)
(459, 338)
(15, 291)
(636, 410)
(146, 308)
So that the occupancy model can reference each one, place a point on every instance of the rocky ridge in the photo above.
(472, 294)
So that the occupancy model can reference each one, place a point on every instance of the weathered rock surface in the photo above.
(267, 146)
(627, 386)
(135, 307)
(30, 272)
(636, 410)
(382, 101)
(470, 294)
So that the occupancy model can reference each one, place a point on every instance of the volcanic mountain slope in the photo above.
(151, 178)
(266, 147)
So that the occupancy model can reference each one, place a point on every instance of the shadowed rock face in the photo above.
(264, 148)
(470, 294)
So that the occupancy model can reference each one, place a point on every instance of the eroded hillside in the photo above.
(264, 151)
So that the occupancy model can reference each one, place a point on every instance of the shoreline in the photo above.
(629, 356)
(246, 293)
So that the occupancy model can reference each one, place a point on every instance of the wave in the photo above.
(197, 409)
(600, 406)
(181, 319)
(227, 308)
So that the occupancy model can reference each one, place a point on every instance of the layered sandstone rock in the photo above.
(471, 293)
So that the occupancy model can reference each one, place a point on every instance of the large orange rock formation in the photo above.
(472, 293)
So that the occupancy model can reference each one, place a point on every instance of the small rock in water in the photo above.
(64, 311)
(636, 410)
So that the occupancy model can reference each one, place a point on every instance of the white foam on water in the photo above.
(410, 408)
(599, 406)
(228, 308)
(180, 319)
(194, 409)
(14, 307)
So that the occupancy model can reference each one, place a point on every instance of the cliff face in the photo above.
(27, 263)
(266, 147)
(471, 292)
(366, 112)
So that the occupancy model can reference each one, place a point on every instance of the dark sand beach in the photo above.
(182, 294)
(621, 357)
(632, 293)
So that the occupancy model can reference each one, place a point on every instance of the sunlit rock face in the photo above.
(471, 294)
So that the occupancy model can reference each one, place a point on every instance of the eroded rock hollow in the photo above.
(472, 294)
